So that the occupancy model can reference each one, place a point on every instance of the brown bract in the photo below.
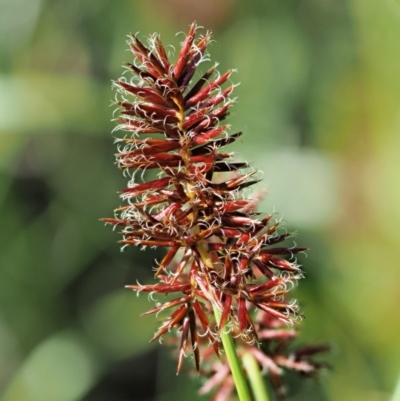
(220, 252)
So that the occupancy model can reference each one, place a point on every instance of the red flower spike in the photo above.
(200, 83)
(218, 98)
(147, 94)
(203, 93)
(194, 338)
(185, 334)
(167, 305)
(182, 265)
(242, 315)
(160, 288)
(196, 54)
(161, 53)
(148, 59)
(219, 254)
(146, 186)
(225, 313)
(184, 53)
(175, 319)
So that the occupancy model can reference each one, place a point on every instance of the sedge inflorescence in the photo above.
(221, 255)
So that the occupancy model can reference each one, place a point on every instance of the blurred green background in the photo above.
(319, 101)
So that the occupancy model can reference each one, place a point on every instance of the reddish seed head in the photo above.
(218, 252)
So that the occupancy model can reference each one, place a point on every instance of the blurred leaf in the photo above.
(272, 74)
(396, 394)
(10, 144)
(115, 323)
(182, 387)
(10, 355)
(301, 186)
(59, 369)
(15, 34)
(41, 102)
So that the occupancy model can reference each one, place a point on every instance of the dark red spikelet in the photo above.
(219, 253)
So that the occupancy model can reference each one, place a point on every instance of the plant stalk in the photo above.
(256, 381)
(237, 372)
(239, 378)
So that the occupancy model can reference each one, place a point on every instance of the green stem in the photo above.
(227, 341)
(256, 381)
(233, 360)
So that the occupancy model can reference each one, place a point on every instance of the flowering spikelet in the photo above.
(220, 254)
